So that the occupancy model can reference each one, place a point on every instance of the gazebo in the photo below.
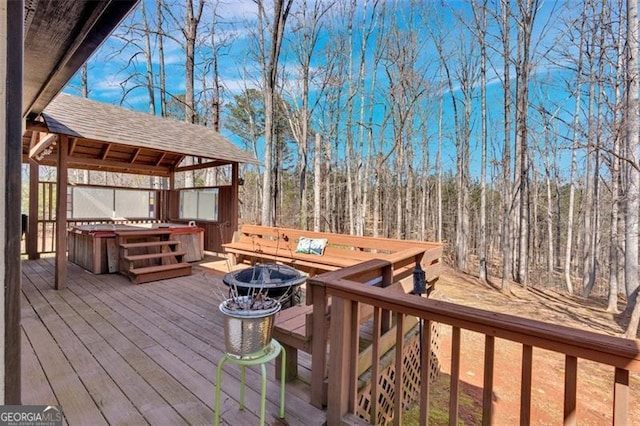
(77, 133)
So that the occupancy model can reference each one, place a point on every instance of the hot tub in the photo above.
(94, 248)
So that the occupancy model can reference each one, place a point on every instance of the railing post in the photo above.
(387, 280)
(340, 371)
(318, 345)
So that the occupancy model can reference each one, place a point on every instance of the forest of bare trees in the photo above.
(506, 128)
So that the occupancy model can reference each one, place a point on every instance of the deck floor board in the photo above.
(111, 352)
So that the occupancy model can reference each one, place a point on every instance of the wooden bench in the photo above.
(254, 243)
(306, 327)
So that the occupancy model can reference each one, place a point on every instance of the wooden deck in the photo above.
(111, 352)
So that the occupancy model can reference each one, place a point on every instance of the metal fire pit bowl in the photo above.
(247, 334)
(273, 279)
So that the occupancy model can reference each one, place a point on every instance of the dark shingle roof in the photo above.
(86, 119)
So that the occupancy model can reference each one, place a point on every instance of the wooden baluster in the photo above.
(621, 397)
(425, 372)
(487, 394)
(354, 352)
(454, 396)
(570, 388)
(398, 397)
(525, 386)
(375, 364)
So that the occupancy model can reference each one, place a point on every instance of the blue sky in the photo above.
(110, 67)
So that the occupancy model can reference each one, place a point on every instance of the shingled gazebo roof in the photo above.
(111, 138)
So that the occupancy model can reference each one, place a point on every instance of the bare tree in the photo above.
(527, 9)
(269, 57)
(307, 26)
(464, 76)
(161, 65)
(190, 33)
(615, 247)
(480, 17)
(505, 6)
(633, 179)
(574, 153)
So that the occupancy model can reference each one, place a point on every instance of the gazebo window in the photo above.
(96, 203)
(199, 204)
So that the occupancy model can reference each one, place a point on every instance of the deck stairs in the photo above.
(150, 255)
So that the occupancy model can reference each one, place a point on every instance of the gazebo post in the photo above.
(11, 129)
(236, 197)
(61, 213)
(32, 228)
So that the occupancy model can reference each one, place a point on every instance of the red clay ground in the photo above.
(595, 383)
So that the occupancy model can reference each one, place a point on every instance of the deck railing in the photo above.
(348, 296)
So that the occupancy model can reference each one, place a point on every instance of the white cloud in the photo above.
(238, 85)
(237, 9)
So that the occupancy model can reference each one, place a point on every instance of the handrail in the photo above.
(624, 354)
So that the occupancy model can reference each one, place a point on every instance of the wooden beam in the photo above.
(35, 138)
(164, 154)
(61, 214)
(134, 157)
(105, 152)
(82, 163)
(37, 126)
(215, 163)
(42, 144)
(72, 147)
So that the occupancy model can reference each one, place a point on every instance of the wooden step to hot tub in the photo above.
(149, 255)
(159, 272)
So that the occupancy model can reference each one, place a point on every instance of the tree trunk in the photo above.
(633, 183)
(527, 11)
(615, 257)
(270, 56)
(574, 152)
(149, 60)
(317, 182)
(550, 252)
(506, 159)
(481, 24)
(190, 35)
(161, 70)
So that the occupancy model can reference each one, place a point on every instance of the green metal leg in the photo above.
(218, 386)
(263, 392)
(263, 388)
(282, 380)
(243, 376)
